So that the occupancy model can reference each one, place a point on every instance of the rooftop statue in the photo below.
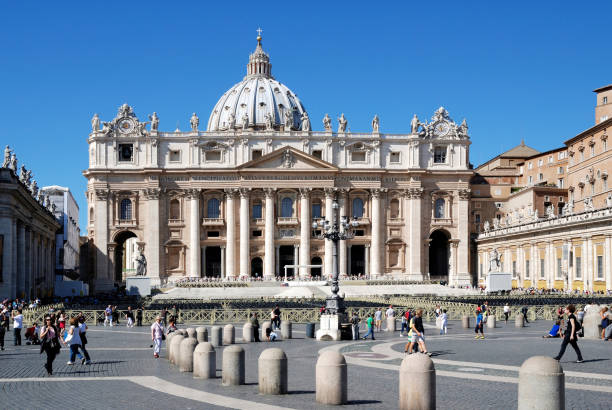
(288, 120)
(269, 122)
(550, 211)
(34, 189)
(327, 123)
(305, 122)
(7, 157)
(245, 121)
(194, 121)
(487, 227)
(375, 123)
(342, 123)
(588, 204)
(414, 124)
(95, 123)
(231, 121)
(22, 173)
(13, 163)
(609, 201)
(154, 121)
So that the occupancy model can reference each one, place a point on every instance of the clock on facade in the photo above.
(126, 126)
(441, 129)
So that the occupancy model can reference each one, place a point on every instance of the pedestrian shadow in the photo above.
(301, 392)
(594, 360)
(363, 402)
(108, 362)
(441, 353)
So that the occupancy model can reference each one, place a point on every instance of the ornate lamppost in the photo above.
(338, 229)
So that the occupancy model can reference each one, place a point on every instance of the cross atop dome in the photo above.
(259, 62)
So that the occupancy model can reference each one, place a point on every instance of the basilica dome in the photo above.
(258, 101)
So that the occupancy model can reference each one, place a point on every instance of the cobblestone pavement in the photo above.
(471, 374)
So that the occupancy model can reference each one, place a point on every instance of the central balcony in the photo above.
(284, 221)
(213, 222)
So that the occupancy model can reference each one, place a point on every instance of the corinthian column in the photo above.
(329, 246)
(462, 273)
(415, 235)
(244, 232)
(375, 258)
(230, 235)
(305, 221)
(151, 233)
(102, 281)
(342, 244)
(269, 234)
(194, 233)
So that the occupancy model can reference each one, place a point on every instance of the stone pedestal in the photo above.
(491, 320)
(330, 327)
(390, 324)
(138, 286)
(591, 322)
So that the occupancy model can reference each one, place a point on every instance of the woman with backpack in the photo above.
(49, 337)
(571, 334)
(73, 338)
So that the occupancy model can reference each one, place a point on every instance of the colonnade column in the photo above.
(329, 246)
(569, 277)
(103, 280)
(607, 261)
(151, 233)
(244, 232)
(194, 233)
(203, 261)
(230, 235)
(375, 268)
(585, 261)
(416, 235)
(277, 260)
(223, 261)
(269, 257)
(305, 228)
(348, 259)
(22, 284)
(342, 266)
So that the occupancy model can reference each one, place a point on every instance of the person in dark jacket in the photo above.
(49, 337)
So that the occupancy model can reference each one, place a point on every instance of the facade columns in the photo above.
(102, 258)
(589, 273)
(269, 253)
(245, 225)
(203, 261)
(585, 262)
(305, 228)
(376, 265)
(230, 224)
(194, 233)
(568, 273)
(329, 246)
(277, 258)
(296, 258)
(348, 259)
(415, 235)
(342, 266)
(151, 233)
(462, 273)
(22, 283)
(607, 261)
(367, 260)
(454, 244)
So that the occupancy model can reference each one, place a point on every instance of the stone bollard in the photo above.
(286, 329)
(247, 333)
(331, 378)
(264, 326)
(232, 372)
(168, 340)
(465, 322)
(191, 332)
(591, 322)
(185, 360)
(390, 324)
(272, 371)
(491, 321)
(201, 334)
(229, 335)
(216, 336)
(519, 321)
(417, 383)
(204, 361)
(541, 384)
(175, 346)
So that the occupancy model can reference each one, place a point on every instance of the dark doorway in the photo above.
(213, 262)
(316, 271)
(357, 260)
(438, 256)
(285, 257)
(256, 268)
(119, 252)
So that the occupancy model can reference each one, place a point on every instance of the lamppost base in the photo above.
(330, 328)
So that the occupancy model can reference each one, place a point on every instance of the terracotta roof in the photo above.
(604, 88)
(520, 151)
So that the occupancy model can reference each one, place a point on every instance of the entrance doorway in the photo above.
(120, 250)
(316, 271)
(256, 267)
(438, 256)
(357, 260)
(285, 257)
(213, 262)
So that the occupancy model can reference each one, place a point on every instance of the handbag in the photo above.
(68, 338)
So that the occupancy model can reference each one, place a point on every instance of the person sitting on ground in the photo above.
(171, 326)
(31, 335)
(555, 331)
(270, 335)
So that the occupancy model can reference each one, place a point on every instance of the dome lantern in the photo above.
(259, 61)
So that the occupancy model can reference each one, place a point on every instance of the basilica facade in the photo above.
(239, 199)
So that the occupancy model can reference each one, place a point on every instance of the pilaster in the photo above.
(245, 258)
(305, 221)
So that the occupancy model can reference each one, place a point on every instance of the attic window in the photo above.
(227, 107)
(175, 156)
(256, 154)
(394, 157)
(317, 154)
(262, 104)
(213, 156)
(358, 156)
(243, 105)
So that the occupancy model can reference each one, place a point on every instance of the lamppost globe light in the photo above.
(315, 225)
(335, 205)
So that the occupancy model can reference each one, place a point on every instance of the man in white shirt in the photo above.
(17, 325)
(506, 312)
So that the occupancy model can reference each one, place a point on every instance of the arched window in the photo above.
(439, 208)
(256, 209)
(175, 209)
(126, 209)
(394, 208)
(213, 208)
(357, 208)
(287, 207)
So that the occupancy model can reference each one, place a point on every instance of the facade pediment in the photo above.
(288, 158)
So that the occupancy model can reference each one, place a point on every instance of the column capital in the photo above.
(269, 192)
(330, 192)
(102, 194)
(296, 245)
(244, 192)
(193, 193)
(230, 192)
(343, 192)
(464, 194)
(151, 193)
(415, 193)
(305, 192)
(377, 192)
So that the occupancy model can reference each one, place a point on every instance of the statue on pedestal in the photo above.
(7, 157)
(414, 124)
(327, 123)
(288, 120)
(141, 268)
(494, 262)
(609, 201)
(13, 163)
(550, 211)
(194, 121)
(305, 122)
(495, 223)
(95, 123)
(154, 121)
(269, 122)
(375, 123)
(232, 121)
(342, 123)
(588, 204)
(245, 121)
(487, 227)
(22, 173)
(34, 189)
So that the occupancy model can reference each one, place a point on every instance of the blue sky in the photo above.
(513, 69)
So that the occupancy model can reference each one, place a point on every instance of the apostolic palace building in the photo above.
(239, 198)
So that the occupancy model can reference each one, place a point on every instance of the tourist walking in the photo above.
(157, 335)
(83, 333)
(417, 334)
(73, 338)
(4, 325)
(108, 316)
(276, 317)
(49, 336)
(164, 315)
(571, 334)
(139, 316)
(443, 322)
(390, 314)
(506, 312)
(115, 315)
(17, 325)
(405, 322)
(378, 319)
(370, 325)
(524, 311)
(129, 316)
(255, 324)
(355, 325)
(479, 324)
(605, 321)
(62, 321)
